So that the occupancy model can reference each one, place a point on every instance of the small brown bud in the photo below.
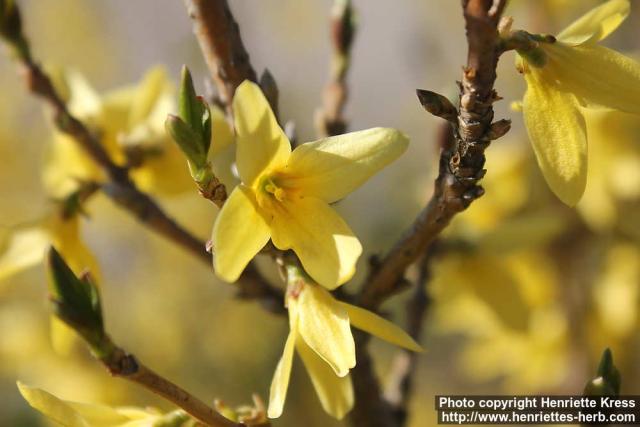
(437, 104)
(499, 129)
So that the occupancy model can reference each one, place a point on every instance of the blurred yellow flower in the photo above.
(320, 330)
(285, 195)
(565, 75)
(76, 414)
(130, 124)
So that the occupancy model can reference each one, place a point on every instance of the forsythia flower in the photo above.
(130, 123)
(320, 330)
(76, 414)
(565, 74)
(285, 195)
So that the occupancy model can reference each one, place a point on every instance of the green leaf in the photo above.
(607, 381)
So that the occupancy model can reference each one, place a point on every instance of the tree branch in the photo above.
(461, 167)
(219, 37)
(461, 163)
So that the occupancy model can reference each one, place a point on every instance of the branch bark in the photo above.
(219, 37)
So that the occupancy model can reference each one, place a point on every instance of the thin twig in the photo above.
(127, 366)
(219, 37)
(120, 188)
(329, 118)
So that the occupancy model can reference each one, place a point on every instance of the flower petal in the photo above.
(335, 393)
(333, 167)
(280, 382)
(556, 129)
(322, 240)
(54, 408)
(239, 233)
(596, 24)
(379, 327)
(324, 326)
(262, 144)
(24, 248)
(598, 75)
(147, 94)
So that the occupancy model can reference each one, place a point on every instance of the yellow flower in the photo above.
(285, 195)
(76, 414)
(130, 123)
(565, 75)
(320, 330)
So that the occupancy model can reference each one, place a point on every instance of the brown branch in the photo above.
(219, 37)
(461, 167)
(329, 118)
(120, 188)
(461, 164)
(121, 364)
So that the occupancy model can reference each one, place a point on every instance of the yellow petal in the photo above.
(62, 336)
(333, 167)
(556, 129)
(239, 233)
(322, 240)
(280, 382)
(596, 24)
(147, 94)
(54, 408)
(84, 101)
(599, 76)
(221, 132)
(335, 393)
(324, 326)
(379, 327)
(262, 145)
(24, 248)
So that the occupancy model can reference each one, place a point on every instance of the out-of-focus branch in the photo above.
(462, 164)
(119, 188)
(401, 380)
(329, 118)
(219, 37)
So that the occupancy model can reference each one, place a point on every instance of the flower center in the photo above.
(270, 187)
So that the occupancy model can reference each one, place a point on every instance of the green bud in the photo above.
(193, 134)
(607, 381)
(187, 140)
(75, 301)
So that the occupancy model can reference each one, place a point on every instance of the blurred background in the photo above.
(526, 293)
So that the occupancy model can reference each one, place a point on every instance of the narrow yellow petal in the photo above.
(335, 393)
(152, 86)
(333, 167)
(380, 327)
(322, 240)
(324, 326)
(596, 24)
(239, 233)
(24, 248)
(598, 75)
(54, 408)
(280, 382)
(262, 144)
(221, 132)
(84, 101)
(556, 129)
(62, 336)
